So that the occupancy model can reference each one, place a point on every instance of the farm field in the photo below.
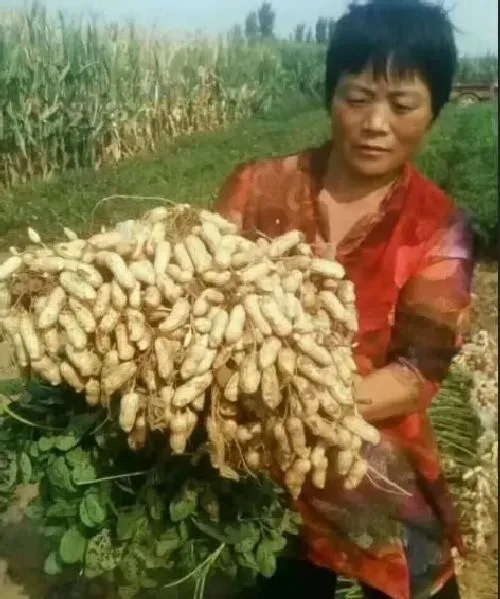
(98, 149)
(82, 93)
(461, 156)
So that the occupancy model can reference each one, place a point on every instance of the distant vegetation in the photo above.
(460, 156)
(81, 94)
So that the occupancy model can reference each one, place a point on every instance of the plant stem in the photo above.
(111, 477)
(22, 420)
(208, 562)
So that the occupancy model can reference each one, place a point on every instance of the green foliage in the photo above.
(82, 94)
(483, 69)
(456, 424)
(139, 523)
(267, 17)
(168, 528)
(76, 94)
(460, 156)
(191, 170)
(321, 30)
(252, 26)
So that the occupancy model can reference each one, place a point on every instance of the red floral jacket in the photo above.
(412, 267)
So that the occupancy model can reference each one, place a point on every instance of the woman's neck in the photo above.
(347, 186)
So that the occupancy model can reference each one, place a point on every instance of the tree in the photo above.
(300, 32)
(252, 25)
(331, 28)
(267, 17)
(236, 33)
(321, 30)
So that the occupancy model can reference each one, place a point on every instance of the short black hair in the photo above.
(414, 35)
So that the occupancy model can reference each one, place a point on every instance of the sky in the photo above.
(476, 19)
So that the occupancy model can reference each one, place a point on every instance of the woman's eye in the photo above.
(357, 101)
(403, 107)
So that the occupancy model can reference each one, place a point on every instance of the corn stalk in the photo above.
(77, 94)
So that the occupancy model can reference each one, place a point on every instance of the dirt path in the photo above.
(21, 553)
(479, 579)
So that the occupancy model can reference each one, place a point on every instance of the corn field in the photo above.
(77, 94)
(80, 94)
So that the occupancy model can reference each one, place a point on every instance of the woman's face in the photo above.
(378, 124)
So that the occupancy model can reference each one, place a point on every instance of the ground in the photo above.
(480, 575)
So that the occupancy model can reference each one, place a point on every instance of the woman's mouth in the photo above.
(371, 150)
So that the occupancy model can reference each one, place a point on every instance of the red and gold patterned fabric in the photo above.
(412, 267)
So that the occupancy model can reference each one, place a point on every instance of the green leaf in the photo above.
(72, 547)
(147, 582)
(276, 542)
(244, 533)
(65, 442)
(80, 424)
(201, 551)
(226, 563)
(155, 504)
(266, 559)
(209, 502)
(84, 517)
(129, 567)
(93, 567)
(52, 531)
(9, 470)
(59, 474)
(44, 393)
(247, 560)
(34, 450)
(9, 387)
(35, 510)
(182, 506)
(102, 555)
(292, 522)
(185, 559)
(92, 511)
(25, 468)
(127, 523)
(52, 565)
(246, 545)
(144, 531)
(146, 553)
(211, 530)
(168, 542)
(62, 509)
(183, 531)
(251, 531)
(84, 472)
(46, 443)
(234, 532)
(75, 457)
(128, 591)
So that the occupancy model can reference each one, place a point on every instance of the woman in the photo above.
(407, 248)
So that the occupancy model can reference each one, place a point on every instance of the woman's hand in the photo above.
(389, 392)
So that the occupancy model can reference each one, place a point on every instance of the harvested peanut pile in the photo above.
(195, 326)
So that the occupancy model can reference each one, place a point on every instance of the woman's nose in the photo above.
(377, 119)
